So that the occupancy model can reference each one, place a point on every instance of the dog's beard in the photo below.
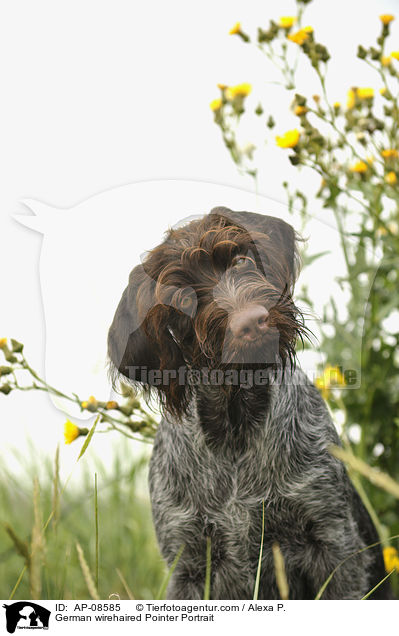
(216, 347)
(264, 350)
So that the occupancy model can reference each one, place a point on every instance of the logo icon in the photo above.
(26, 615)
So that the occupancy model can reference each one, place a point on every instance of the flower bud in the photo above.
(17, 347)
(9, 355)
(265, 36)
(375, 54)
(92, 404)
(126, 410)
(361, 52)
(111, 405)
(300, 99)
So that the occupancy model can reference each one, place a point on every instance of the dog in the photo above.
(208, 323)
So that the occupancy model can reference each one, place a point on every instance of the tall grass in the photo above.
(94, 539)
(108, 517)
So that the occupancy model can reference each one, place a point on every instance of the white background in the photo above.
(96, 95)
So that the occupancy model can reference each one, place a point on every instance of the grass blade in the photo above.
(125, 585)
(368, 547)
(376, 477)
(96, 524)
(166, 580)
(257, 580)
(37, 546)
(20, 546)
(88, 438)
(207, 588)
(16, 586)
(56, 489)
(87, 574)
(378, 585)
(279, 569)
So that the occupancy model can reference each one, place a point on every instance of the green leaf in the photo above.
(88, 438)
(308, 260)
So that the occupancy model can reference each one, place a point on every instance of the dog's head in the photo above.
(217, 293)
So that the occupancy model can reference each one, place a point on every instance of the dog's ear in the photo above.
(128, 345)
(134, 349)
(280, 235)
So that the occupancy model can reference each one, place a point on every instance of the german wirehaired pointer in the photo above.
(208, 324)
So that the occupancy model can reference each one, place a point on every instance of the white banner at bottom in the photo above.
(174, 617)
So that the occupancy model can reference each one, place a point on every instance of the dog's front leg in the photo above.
(186, 584)
(334, 576)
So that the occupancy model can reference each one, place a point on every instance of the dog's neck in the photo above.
(231, 417)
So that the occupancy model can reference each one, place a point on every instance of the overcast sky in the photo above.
(96, 95)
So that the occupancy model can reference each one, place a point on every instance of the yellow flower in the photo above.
(71, 432)
(361, 93)
(84, 405)
(216, 104)
(391, 178)
(386, 60)
(359, 166)
(289, 139)
(383, 90)
(390, 153)
(235, 29)
(241, 90)
(337, 105)
(351, 98)
(395, 55)
(300, 36)
(391, 559)
(330, 378)
(222, 86)
(3, 342)
(386, 18)
(287, 21)
(300, 110)
(365, 93)
(111, 405)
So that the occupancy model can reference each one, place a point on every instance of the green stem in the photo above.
(47, 386)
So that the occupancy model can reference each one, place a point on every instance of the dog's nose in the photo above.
(250, 323)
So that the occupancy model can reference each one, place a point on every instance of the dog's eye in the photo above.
(240, 261)
(186, 302)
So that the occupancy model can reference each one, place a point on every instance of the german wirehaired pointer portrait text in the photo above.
(208, 323)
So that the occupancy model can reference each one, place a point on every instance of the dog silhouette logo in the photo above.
(26, 615)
